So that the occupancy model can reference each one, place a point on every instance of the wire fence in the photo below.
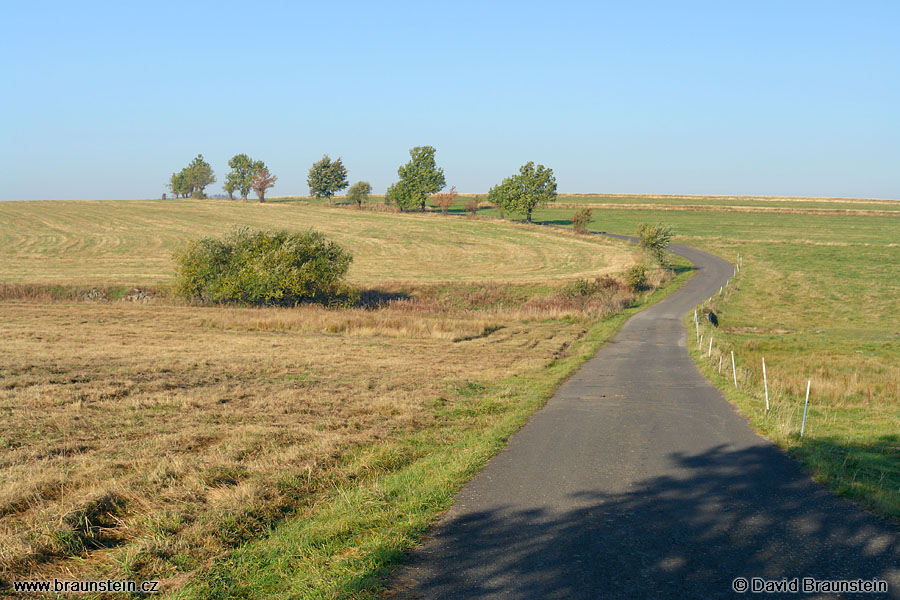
(780, 405)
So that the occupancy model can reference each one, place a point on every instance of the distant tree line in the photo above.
(419, 180)
(246, 174)
(193, 179)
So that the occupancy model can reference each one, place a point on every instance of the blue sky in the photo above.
(106, 100)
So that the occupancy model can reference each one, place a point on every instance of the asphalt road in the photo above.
(638, 480)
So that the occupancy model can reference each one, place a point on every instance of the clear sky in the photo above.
(106, 100)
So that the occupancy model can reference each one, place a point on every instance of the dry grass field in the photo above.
(131, 242)
(163, 432)
(151, 439)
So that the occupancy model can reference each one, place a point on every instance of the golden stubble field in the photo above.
(131, 242)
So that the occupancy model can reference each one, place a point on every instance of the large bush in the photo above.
(263, 267)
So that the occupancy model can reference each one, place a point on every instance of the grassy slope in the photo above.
(819, 298)
(130, 242)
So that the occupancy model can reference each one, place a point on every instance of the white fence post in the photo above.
(805, 406)
(766, 383)
(733, 371)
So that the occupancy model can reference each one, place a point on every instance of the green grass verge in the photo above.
(390, 493)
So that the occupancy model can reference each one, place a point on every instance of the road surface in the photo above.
(639, 480)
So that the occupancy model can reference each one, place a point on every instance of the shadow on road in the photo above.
(723, 514)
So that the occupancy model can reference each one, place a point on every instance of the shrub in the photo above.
(580, 288)
(581, 219)
(445, 200)
(655, 239)
(585, 288)
(609, 283)
(262, 267)
(636, 277)
(472, 206)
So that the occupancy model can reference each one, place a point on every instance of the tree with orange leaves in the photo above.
(445, 200)
(262, 182)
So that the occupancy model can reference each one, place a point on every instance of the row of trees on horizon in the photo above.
(420, 179)
(246, 174)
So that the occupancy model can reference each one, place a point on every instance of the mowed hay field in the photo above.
(271, 452)
(819, 298)
(131, 242)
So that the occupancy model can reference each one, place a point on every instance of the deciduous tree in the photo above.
(262, 182)
(200, 175)
(418, 178)
(229, 187)
(179, 184)
(359, 193)
(243, 171)
(398, 193)
(501, 194)
(327, 177)
(533, 187)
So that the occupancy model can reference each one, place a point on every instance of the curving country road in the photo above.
(638, 480)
